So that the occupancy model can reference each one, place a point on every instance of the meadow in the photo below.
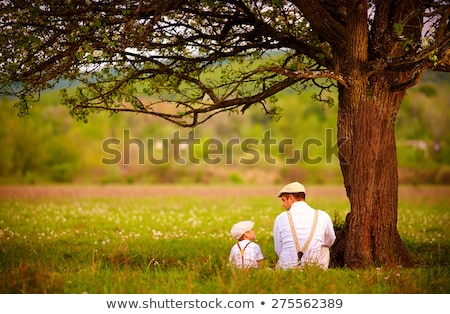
(176, 239)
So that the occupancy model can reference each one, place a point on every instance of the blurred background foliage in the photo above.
(49, 146)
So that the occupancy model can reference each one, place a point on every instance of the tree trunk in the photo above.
(367, 153)
(368, 159)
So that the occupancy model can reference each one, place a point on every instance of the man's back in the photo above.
(303, 218)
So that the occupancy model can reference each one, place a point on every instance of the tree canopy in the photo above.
(119, 50)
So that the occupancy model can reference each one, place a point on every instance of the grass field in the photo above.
(175, 239)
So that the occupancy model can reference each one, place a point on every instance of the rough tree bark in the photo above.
(368, 156)
(369, 167)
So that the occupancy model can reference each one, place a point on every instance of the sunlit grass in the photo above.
(181, 245)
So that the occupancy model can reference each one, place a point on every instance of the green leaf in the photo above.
(398, 28)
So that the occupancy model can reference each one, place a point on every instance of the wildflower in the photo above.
(97, 53)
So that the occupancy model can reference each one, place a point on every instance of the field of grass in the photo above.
(176, 240)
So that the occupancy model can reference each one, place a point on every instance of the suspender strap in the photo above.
(242, 252)
(294, 234)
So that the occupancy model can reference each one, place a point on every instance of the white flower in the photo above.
(97, 53)
(425, 42)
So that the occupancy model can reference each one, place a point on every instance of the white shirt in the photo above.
(303, 217)
(252, 254)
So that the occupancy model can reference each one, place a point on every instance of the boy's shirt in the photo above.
(251, 254)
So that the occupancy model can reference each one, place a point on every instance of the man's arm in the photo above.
(276, 237)
(330, 235)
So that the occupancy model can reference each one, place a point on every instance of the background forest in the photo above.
(49, 146)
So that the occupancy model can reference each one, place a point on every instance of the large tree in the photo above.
(370, 52)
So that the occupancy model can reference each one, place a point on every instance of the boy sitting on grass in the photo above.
(245, 253)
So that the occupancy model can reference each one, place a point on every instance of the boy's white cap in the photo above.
(293, 187)
(240, 228)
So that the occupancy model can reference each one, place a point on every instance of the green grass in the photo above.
(171, 244)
